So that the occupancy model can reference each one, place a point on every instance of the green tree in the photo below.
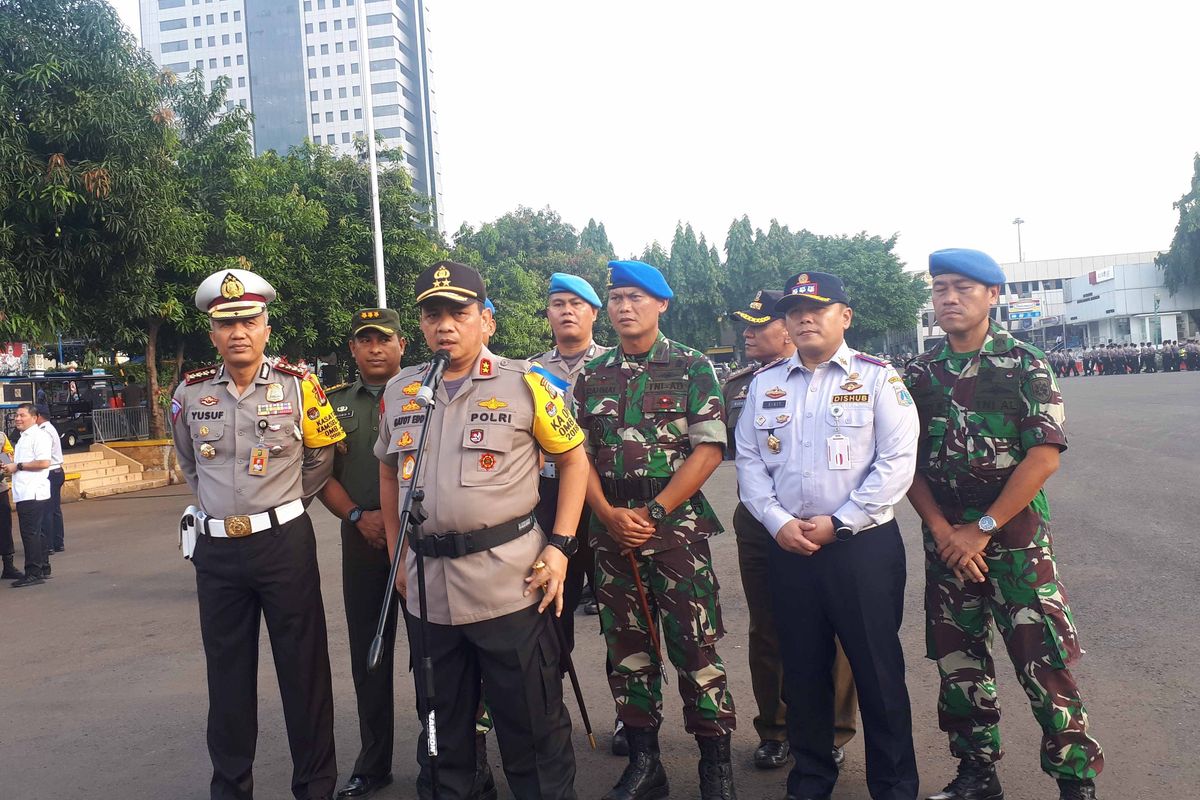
(697, 278)
(1181, 262)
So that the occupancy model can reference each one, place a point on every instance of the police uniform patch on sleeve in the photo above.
(557, 432)
(320, 424)
(1041, 388)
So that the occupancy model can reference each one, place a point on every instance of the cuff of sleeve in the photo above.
(775, 518)
(852, 514)
(709, 432)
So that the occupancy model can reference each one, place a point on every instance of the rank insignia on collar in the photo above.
(775, 393)
(209, 400)
(412, 388)
(492, 404)
(485, 366)
(405, 439)
(410, 406)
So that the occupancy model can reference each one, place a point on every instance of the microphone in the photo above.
(441, 360)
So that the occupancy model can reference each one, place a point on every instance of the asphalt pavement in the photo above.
(102, 682)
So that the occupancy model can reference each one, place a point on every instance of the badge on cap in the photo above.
(231, 287)
(441, 277)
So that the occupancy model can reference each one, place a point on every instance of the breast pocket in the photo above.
(773, 428)
(665, 415)
(856, 423)
(208, 440)
(993, 456)
(487, 455)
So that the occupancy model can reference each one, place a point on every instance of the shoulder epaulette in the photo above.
(514, 364)
(766, 367)
(290, 369)
(879, 362)
(739, 373)
(201, 374)
(336, 388)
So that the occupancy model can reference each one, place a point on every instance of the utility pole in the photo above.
(364, 71)
(1020, 253)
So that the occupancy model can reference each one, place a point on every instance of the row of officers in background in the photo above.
(1127, 359)
(588, 463)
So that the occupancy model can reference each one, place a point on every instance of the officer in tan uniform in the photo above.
(571, 309)
(254, 439)
(490, 569)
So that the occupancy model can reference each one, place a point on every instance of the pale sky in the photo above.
(941, 121)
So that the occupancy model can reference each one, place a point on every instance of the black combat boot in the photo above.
(484, 787)
(716, 771)
(644, 778)
(1076, 790)
(11, 573)
(976, 780)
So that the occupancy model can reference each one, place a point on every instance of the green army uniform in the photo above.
(365, 571)
(980, 413)
(643, 416)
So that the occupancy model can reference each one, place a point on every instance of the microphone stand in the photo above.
(412, 517)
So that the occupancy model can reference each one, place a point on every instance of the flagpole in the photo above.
(364, 69)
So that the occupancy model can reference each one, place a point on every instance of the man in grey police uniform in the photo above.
(254, 440)
(827, 444)
(571, 309)
(767, 341)
(490, 569)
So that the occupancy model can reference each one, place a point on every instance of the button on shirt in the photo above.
(32, 484)
(783, 449)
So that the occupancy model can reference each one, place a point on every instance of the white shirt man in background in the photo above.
(30, 473)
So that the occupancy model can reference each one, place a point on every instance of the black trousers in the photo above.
(581, 565)
(52, 528)
(31, 516)
(7, 548)
(854, 590)
(364, 579)
(272, 574)
(515, 659)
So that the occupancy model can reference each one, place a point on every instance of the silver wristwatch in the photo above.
(987, 524)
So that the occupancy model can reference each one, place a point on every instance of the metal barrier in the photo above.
(115, 424)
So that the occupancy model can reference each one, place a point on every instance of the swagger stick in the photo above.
(645, 601)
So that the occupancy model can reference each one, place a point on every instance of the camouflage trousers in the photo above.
(682, 591)
(1024, 597)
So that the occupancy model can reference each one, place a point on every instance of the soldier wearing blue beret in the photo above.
(561, 282)
(640, 275)
(974, 264)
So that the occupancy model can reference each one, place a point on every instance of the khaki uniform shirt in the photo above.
(216, 433)
(479, 469)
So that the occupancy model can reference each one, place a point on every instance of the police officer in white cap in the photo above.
(254, 441)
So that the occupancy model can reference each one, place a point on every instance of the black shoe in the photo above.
(716, 768)
(364, 785)
(771, 754)
(620, 743)
(591, 608)
(11, 573)
(839, 756)
(1076, 790)
(60, 549)
(976, 780)
(45, 570)
(484, 787)
(27, 580)
(644, 778)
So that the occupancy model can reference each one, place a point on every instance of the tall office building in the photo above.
(295, 64)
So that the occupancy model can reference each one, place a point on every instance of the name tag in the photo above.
(851, 398)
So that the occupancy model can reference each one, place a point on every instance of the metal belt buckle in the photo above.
(237, 527)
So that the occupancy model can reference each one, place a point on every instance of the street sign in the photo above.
(1024, 314)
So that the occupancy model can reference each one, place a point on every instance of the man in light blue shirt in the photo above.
(826, 445)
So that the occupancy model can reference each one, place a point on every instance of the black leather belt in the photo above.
(453, 544)
(633, 488)
(979, 496)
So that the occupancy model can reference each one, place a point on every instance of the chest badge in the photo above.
(405, 439)
(487, 462)
(406, 471)
(209, 400)
(760, 420)
(775, 393)
(492, 404)
(412, 388)
(274, 392)
(204, 430)
(410, 407)
(208, 451)
(774, 444)
(741, 395)
(476, 435)
(782, 419)
(850, 385)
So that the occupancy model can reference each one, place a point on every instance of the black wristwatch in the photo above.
(841, 531)
(355, 515)
(657, 511)
(568, 545)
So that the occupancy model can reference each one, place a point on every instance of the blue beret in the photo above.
(641, 275)
(562, 282)
(974, 264)
(490, 306)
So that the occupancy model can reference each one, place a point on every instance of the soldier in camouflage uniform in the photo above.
(653, 414)
(993, 427)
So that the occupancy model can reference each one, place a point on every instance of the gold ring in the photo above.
(539, 564)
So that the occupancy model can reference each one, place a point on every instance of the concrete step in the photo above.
(109, 480)
(95, 463)
(124, 488)
(78, 459)
(103, 472)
